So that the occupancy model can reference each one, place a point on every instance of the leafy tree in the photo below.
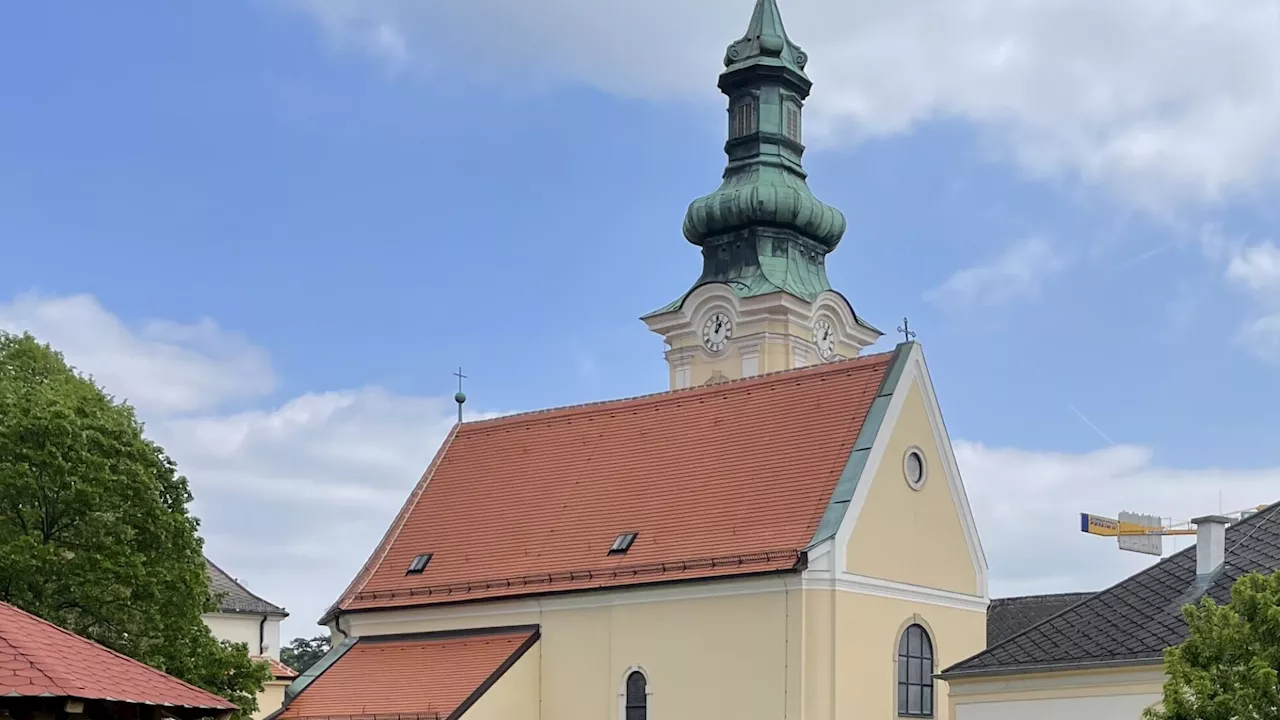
(302, 653)
(95, 535)
(1227, 667)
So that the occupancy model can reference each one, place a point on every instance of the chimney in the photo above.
(1211, 541)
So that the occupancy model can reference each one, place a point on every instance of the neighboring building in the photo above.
(243, 617)
(47, 673)
(1102, 657)
(783, 535)
(1007, 617)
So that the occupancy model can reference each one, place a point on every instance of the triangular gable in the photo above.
(907, 379)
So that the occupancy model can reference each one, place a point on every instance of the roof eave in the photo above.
(955, 673)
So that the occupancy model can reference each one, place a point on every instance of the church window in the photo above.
(622, 543)
(636, 697)
(742, 119)
(915, 673)
(791, 121)
(418, 565)
(913, 468)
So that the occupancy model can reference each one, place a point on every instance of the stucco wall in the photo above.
(516, 695)
(1115, 707)
(270, 699)
(244, 628)
(1116, 694)
(906, 535)
(728, 656)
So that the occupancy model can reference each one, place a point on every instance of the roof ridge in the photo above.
(240, 585)
(1041, 597)
(761, 379)
(80, 638)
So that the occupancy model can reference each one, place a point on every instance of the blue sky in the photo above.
(280, 225)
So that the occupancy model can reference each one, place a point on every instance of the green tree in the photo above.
(1227, 667)
(95, 535)
(302, 653)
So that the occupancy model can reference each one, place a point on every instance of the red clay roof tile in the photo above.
(428, 676)
(44, 659)
(279, 670)
(722, 480)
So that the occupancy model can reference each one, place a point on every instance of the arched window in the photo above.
(636, 703)
(915, 673)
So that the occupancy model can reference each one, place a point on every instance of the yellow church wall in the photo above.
(516, 695)
(724, 656)
(912, 536)
(867, 632)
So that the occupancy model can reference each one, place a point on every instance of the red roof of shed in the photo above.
(716, 481)
(38, 658)
(427, 676)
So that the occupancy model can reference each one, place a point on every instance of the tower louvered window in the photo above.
(791, 125)
(743, 120)
(915, 673)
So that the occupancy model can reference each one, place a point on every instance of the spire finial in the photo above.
(766, 42)
(460, 397)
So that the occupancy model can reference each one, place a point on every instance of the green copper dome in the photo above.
(764, 182)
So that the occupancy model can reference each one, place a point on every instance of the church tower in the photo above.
(763, 302)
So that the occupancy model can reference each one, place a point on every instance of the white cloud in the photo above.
(1027, 506)
(1163, 101)
(159, 367)
(1254, 268)
(1016, 273)
(293, 497)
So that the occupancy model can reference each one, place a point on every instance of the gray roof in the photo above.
(233, 597)
(1133, 621)
(1007, 617)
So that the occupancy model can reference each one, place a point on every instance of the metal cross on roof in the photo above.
(461, 397)
(907, 332)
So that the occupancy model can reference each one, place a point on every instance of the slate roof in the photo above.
(1133, 621)
(1007, 617)
(235, 598)
(38, 658)
(429, 676)
(717, 481)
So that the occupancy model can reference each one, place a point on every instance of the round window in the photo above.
(913, 467)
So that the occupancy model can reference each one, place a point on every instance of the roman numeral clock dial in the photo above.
(716, 332)
(825, 338)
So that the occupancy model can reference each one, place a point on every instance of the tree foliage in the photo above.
(302, 653)
(95, 534)
(1227, 667)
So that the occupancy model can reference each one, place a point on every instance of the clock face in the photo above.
(825, 338)
(716, 332)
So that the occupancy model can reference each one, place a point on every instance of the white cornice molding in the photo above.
(877, 587)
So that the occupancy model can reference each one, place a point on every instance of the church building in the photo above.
(781, 535)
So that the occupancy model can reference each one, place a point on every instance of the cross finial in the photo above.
(907, 332)
(461, 397)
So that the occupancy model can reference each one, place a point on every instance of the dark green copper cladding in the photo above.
(763, 231)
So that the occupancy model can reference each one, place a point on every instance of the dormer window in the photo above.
(791, 121)
(622, 543)
(743, 119)
(418, 565)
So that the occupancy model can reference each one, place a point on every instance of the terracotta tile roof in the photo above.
(427, 676)
(717, 481)
(38, 658)
(279, 670)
